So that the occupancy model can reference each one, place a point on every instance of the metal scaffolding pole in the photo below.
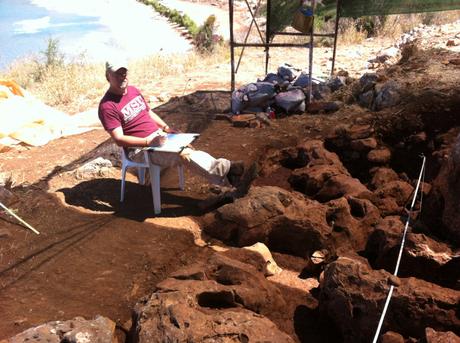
(337, 19)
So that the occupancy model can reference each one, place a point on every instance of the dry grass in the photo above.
(349, 35)
(77, 86)
(396, 25)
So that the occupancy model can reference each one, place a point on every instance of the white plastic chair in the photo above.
(154, 171)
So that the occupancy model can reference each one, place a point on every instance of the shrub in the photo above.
(206, 39)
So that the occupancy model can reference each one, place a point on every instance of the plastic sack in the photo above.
(287, 72)
(254, 97)
(291, 101)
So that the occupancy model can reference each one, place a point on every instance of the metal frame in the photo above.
(265, 41)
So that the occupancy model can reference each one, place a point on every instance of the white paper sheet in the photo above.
(176, 142)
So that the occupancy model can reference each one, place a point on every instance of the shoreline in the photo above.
(124, 27)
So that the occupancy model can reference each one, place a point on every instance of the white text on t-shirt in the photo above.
(133, 108)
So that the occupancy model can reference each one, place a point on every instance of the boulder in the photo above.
(363, 144)
(381, 176)
(353, 295)
(387, 95)
(433, 336)
(99, 167)
(422, 256)
(337, 82)
(392, 197)
(379, 156)
(308, 153)
(77, 330)
(400, 191)
(309, 180)
(392, 337)
(351, 220)
(358, 132)
(366, 99)
(229, 301)
(368, 81)
(443, 203)
(341, 185)
(284, 221)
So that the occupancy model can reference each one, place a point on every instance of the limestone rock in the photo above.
(271, 268)
(77, 330)
(99, 167)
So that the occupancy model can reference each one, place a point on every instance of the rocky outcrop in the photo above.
(433, 336)
(222, 300)
(352, 220)
(339, 186)
(391, 197)
(77, 330)
(284, 221)
(353, 295)
(444, 198)
(423, 257)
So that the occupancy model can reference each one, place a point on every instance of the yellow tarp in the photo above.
(26, 119)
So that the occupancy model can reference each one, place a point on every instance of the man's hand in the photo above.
(156, 139)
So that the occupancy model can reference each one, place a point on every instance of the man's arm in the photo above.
(130, 141)
(165, 127)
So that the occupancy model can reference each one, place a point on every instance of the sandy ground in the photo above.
(132, 29)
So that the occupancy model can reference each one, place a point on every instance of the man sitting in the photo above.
(125, 115)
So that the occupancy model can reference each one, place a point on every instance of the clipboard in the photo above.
(175, 142)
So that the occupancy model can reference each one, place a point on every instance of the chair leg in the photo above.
(154, 171)
(123, 176)
(180, 169)
(141, 175)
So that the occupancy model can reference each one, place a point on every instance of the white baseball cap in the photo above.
(116, 63)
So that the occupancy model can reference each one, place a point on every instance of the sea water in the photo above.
(100, 29)
(25, 29)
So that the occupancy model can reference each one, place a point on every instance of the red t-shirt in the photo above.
(130, 111)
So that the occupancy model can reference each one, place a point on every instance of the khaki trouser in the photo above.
(199, 162)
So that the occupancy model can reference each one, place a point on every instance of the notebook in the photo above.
(175, 142)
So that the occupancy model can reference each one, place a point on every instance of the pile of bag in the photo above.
(285, 92)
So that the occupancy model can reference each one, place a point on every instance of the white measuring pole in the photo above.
(390, 293)
(20, 220)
